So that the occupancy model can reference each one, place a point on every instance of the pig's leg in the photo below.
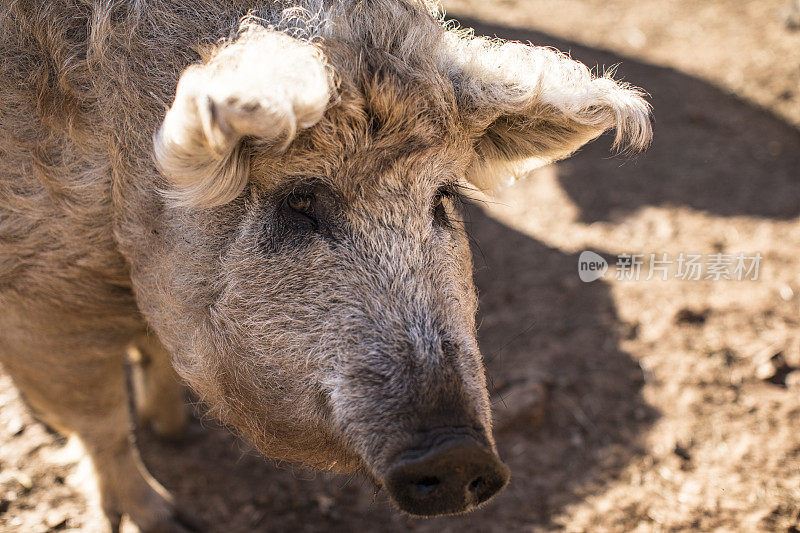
(84, 394)
(158, 392)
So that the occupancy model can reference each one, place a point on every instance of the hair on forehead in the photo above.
(402, 81)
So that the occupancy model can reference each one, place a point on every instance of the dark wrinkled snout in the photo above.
(447, 473)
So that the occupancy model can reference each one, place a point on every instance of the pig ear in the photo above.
(264, 86)
(532, 105)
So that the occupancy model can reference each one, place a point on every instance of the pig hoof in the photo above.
(178, 521)
(151, 509)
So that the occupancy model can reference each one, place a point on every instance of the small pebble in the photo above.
(792, 380)
(56, 519)
(521, 405)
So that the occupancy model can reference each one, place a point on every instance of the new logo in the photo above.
(591, 266)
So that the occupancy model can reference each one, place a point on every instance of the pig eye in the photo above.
(302, 203)
(300, 207)
(438, 203)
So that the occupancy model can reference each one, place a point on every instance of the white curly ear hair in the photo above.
(534, 105)
(265, 85)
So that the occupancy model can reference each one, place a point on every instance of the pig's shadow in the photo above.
(538, 322)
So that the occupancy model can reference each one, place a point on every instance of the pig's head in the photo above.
(312, 274)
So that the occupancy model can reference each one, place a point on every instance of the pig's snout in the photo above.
(446, 475)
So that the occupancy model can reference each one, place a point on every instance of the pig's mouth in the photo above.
(450, 471)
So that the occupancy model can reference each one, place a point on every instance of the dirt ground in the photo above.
(622, 405)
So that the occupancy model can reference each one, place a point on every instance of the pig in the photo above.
(260, 199)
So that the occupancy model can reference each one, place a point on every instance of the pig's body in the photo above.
(290, 235)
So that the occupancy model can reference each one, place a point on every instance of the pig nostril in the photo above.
(426, 485)
(477, 485)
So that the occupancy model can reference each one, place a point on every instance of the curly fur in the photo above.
(523, 105)
(146, 149)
